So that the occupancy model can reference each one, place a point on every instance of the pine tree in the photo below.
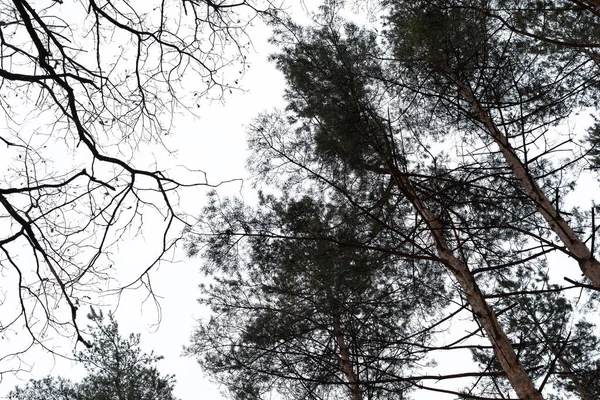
(296, 313)
(117, 370)
(424, 137)
(510, 95)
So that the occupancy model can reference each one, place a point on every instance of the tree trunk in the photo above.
(577, 248)
(347, 368)
(502, 346)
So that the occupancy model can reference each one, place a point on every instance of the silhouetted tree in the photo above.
(295, 313)
(84, 86)
(117, 370)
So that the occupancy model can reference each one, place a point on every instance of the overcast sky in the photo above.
(214, 143)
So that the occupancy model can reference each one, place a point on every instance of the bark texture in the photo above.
(577, 248)
(347, 367)
(503, 348)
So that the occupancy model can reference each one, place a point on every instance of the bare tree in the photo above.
(85, 86)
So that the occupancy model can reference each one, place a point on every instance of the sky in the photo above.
(214, 143)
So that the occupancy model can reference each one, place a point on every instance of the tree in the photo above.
(506, 93)
(555, 342)
(566, 28)
(85, 86)
(305, 318)
(46, 388)
(341, 144)
(362, 131)
(550, 26)
(117, 370)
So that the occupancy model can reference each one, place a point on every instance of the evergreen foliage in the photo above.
(117, 370)
(416, 179)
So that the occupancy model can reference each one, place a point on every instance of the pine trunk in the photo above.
(577, 248)
(347, 368)
(502, 346)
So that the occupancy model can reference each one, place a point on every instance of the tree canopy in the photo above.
(117, 370)
(412, 197)
(88, 90)
(438, 139)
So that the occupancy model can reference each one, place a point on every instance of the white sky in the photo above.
(216, 144)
